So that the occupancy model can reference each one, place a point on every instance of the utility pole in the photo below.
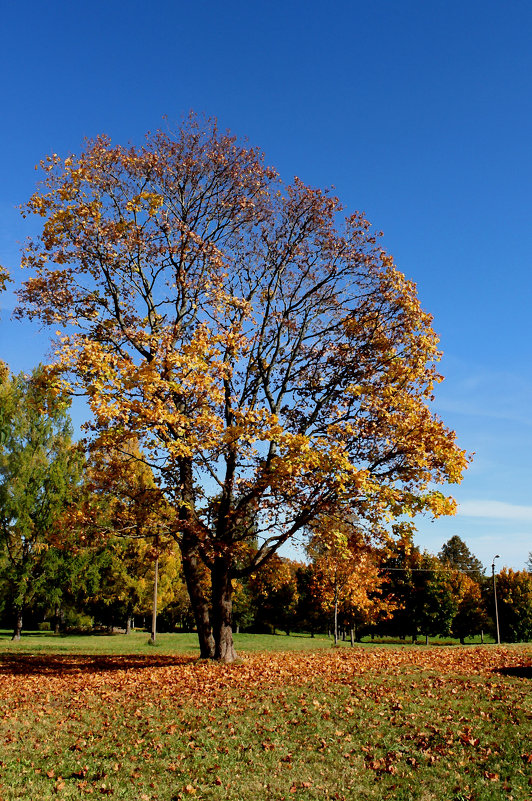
(156, 580)
(495, 598)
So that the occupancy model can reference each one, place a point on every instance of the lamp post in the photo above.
(495, 598)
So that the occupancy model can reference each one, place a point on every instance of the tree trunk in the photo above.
(222, 607)
(57, 619)
(17, 629)
(426, 639)
(336, 621)
(352, 637)
(200, 606)
(191, 563)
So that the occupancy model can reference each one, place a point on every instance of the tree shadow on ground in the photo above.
(58, 664)
(522, 672)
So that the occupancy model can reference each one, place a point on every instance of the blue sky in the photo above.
(419, 113)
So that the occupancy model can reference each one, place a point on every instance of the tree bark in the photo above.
(222, 608)
(57, 619)
(191, 562)
(200, 607)
(17, 629)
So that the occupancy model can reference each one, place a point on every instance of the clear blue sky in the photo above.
(419, 113)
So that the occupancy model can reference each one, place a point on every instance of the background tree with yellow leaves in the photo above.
(346, 580)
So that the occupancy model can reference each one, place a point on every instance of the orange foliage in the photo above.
(261, 350)
(346, 577)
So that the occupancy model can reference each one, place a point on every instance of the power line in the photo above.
(432, 570)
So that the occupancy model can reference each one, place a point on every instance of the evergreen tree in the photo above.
(455, 553)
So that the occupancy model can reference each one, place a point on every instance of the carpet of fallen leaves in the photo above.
(297, 718)
(27, 679)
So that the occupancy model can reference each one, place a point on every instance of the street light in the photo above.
(495, 598)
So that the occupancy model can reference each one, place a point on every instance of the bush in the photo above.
(77, 621)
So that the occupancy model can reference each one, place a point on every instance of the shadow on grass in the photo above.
(58, 664)
(521, 672)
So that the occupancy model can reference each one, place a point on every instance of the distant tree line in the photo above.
(80, 541)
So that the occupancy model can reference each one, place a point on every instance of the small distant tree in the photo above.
(470, 617)
(125, 588)
(345, 576)
(514, 596)
(310, 615)
(243, 605)
(426, 602)
(275, 595)
(124, 518)
(435, 603)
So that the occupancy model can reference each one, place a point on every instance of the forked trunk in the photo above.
(222, 612)
(200, 607)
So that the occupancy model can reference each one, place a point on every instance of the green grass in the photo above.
(112, 717)
(138, 642)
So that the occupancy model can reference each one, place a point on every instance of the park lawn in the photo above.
(138, 642)
(363, 723)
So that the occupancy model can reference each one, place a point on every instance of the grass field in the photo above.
(112, 716)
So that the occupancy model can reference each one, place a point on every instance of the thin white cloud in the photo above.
(495, 509)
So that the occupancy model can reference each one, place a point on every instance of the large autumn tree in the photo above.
(261, 348)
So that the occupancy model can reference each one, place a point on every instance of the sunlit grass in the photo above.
(363, 723)
(139, 642)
